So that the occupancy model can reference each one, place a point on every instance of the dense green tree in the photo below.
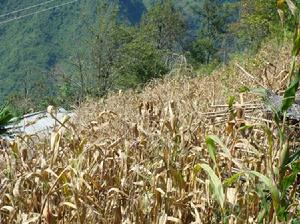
(159, 35)
(165, 25)
(203, 50)
(212, 34)
(257, 20)
(140, 61)
(124, 56)
(109, 35)
(95, 67)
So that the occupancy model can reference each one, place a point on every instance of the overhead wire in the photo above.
(27, 8)
(37, 12)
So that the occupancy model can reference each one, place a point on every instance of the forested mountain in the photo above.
(31, 46)
(60, 51)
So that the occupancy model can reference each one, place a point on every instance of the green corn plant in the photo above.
(5, 115)
(216, 185)
(286, 159)
(286, 169)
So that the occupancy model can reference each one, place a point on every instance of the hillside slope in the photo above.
(141, 157)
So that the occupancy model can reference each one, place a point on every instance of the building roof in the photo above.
(38, 123)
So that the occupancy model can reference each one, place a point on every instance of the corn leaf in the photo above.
(275, 194)
(5, 115)
(211, 149)
(293, 8)
(289, 95)
(216, 139)
(234, 178)
(211, 140)
(216, 184)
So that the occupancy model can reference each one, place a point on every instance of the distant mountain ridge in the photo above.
(33, 45)
(30, 47)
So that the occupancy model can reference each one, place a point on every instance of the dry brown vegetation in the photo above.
(141, 157)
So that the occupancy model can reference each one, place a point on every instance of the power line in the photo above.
(37, 12)
(27, 8)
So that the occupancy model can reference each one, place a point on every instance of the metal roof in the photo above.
(38, 123)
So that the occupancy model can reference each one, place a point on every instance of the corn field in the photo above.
(177, 152)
